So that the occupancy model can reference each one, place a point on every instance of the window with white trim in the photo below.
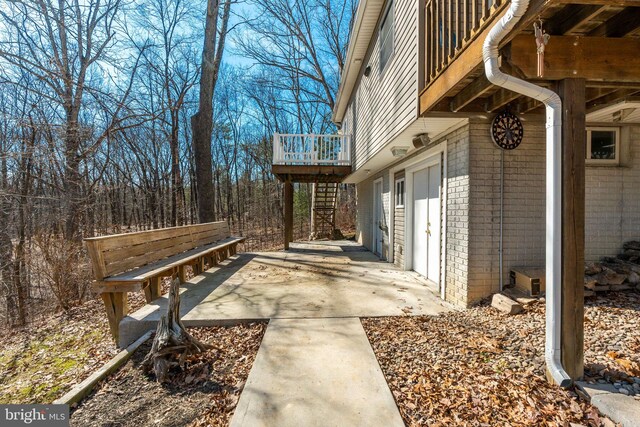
(603, 146)
(400, 193)
(386, 36)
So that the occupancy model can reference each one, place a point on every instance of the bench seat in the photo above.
(137, 261)
(159, 268)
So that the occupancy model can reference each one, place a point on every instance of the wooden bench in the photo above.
(130, 262)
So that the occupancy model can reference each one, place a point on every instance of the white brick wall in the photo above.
(524, 206)
(457, 228)
(613, 200)
(612, 204)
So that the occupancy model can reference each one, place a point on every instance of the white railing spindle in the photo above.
(311, 149)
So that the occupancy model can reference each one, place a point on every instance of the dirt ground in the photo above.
(205, 393)
(480, 367)
(43, 360)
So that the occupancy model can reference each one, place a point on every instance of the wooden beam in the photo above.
(474, 90)
(501, 98)
(619, 3)
(593, 93)
(619, 25)
(592, 58)
(611, 98)
(288, 213)
(572, 17)
(613, 84)
(572, 93)
(527, 105)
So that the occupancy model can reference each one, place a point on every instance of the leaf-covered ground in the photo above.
(205, 393)
(480, 367)
(42, 361)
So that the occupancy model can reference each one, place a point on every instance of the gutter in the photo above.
(553, 106)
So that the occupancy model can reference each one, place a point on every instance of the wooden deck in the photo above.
(311, 173)
(596, 40)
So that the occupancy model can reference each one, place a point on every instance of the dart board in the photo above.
(507, 130)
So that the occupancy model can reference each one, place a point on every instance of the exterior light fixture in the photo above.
(399, 152)
(367, 71)
(421, 140)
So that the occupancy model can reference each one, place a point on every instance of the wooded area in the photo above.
(99, 105)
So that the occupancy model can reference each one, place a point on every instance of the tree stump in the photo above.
(172, 343)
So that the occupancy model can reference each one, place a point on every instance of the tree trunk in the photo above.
(202, 121)
(172, 339)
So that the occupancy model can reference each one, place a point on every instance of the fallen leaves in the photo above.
(205, 393)
(478, 367)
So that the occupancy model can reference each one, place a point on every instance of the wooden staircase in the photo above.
(323, 208)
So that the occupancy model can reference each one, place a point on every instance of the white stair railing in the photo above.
(311, 149)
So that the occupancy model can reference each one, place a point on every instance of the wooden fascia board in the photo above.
(591, 58)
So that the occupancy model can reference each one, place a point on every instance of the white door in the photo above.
(420, 219)
(377, 218)
(426, 222)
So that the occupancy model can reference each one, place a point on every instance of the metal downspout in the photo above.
(553, 106)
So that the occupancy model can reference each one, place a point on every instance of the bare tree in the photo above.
(59, 43)
(202, 121)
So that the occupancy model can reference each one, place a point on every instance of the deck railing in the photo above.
(311, 149)
(451, 25)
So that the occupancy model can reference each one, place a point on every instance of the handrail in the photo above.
(311, 149)
(450, 26)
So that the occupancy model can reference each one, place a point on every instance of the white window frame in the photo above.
(399, 194)
(389, 11)
(613, 162)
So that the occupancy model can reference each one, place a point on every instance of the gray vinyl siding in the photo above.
(385, 103)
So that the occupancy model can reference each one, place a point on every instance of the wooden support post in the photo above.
(117, 307)
(182, 273)
(572, 92)
(288, 214)
(153, 290)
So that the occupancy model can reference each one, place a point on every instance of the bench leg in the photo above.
(153, 290)
(203, 264)
(117, 307)
(182, 273)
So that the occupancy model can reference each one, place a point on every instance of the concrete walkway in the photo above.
(316, 372)
(622, 409)
(315, 366)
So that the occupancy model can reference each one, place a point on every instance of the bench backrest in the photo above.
(121, 252)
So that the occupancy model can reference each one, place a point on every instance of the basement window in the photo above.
(386, 37)
(603, 146)
(400, 193)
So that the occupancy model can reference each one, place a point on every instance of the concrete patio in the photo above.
(315, 366)
(312, 280)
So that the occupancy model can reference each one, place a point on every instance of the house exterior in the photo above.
(435, 194)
